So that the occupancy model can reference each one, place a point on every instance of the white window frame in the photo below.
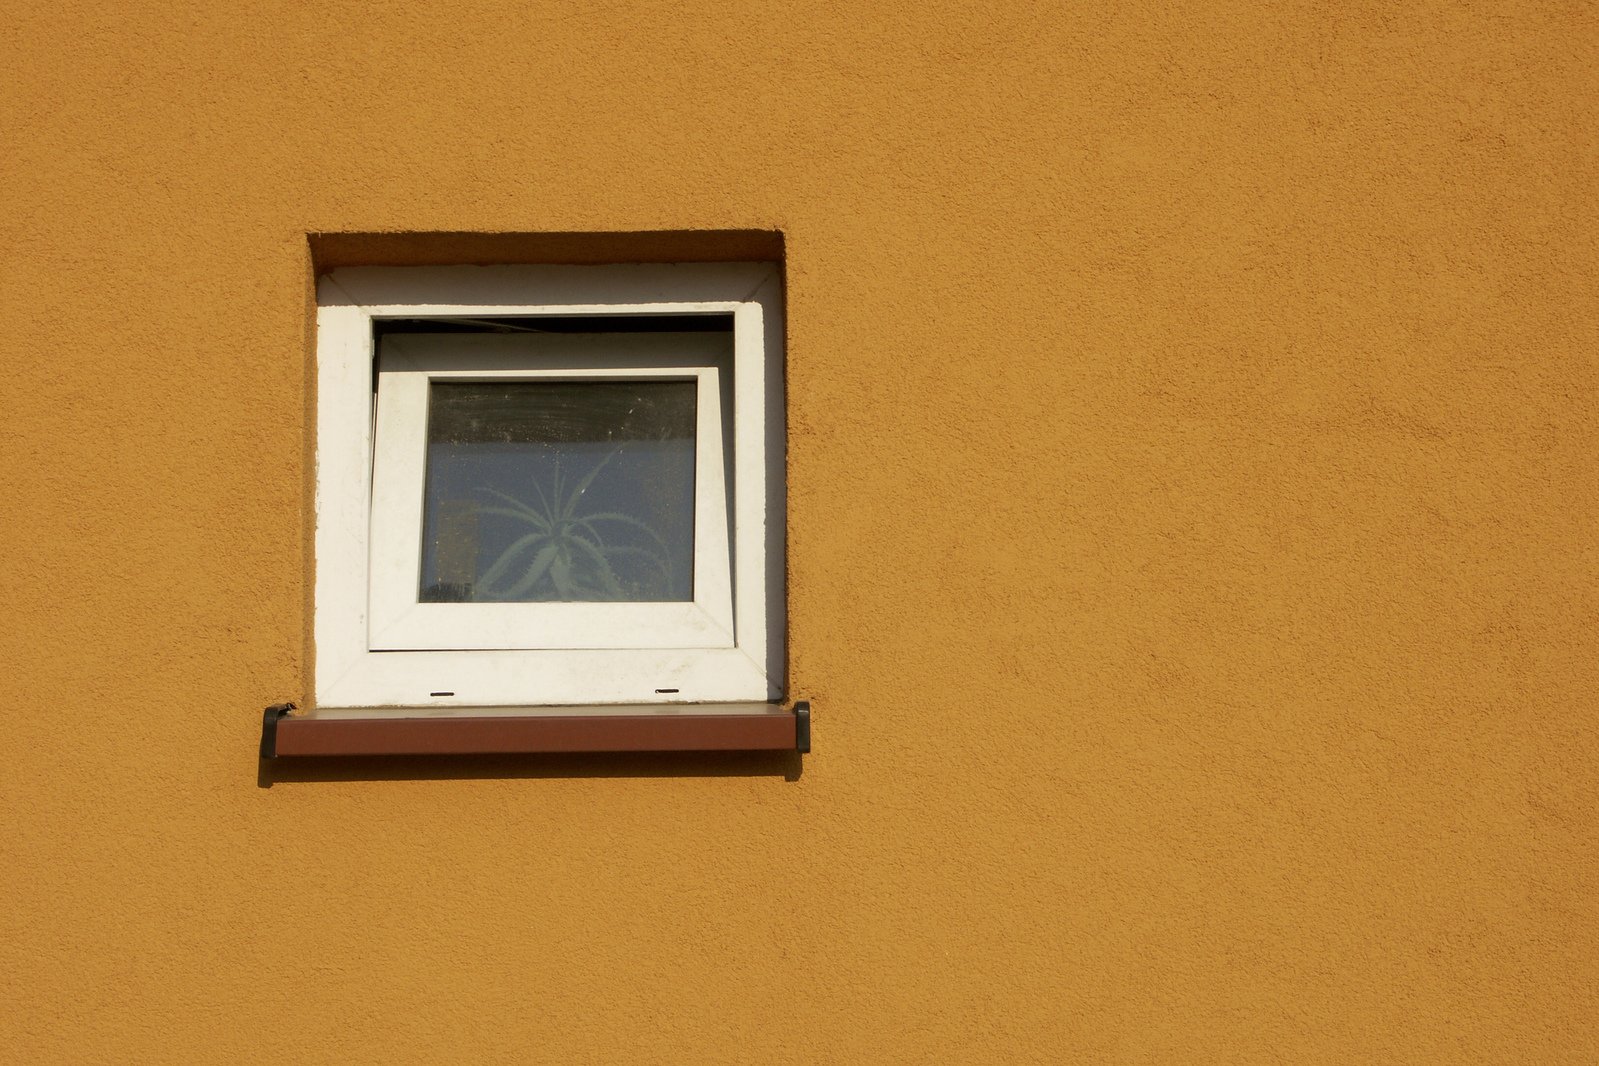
(407, 367)
(726, 646)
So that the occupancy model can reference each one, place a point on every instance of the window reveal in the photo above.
(542, 516)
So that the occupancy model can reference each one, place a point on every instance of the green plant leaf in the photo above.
(654, 557)
(571, 549)
(612, 516)
(607, 576)
(549, 512)
(592, 532)
(541, 562)
(522, 509)
(503, 563)
(570, 504)
(561, 575)
(511, 512)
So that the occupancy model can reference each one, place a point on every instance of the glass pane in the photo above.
(561, 490)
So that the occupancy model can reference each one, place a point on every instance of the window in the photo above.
(549, 486)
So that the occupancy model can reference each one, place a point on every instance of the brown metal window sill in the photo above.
(502, 731)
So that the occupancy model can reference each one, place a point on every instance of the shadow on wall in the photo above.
(785, 764)
(332, 250)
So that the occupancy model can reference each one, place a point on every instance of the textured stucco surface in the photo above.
(1192, 497)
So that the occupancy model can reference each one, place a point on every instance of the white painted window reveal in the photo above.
(472, 570)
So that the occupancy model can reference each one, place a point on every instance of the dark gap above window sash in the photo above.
(535, 324)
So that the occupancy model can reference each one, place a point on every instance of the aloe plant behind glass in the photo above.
(569, 553)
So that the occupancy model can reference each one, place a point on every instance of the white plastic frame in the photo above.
(352, 671)
(407, 365)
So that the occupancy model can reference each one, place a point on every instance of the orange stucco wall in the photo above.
(1192, 497)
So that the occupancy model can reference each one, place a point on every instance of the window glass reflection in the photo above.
(559, 491)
